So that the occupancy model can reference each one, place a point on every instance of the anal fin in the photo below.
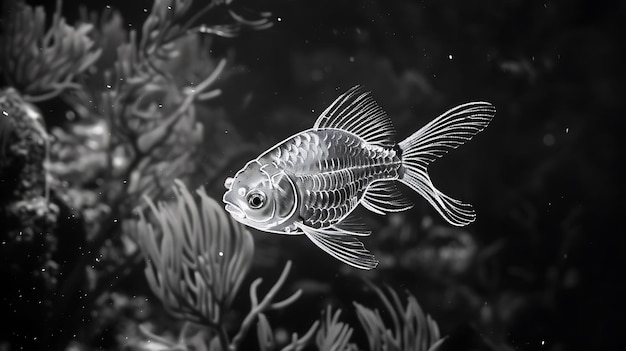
(383, 196)
(346, 248)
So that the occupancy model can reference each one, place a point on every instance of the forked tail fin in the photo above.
(434, 140)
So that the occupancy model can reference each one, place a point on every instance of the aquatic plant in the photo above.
(131, 131)
(265, 336)
(42, 63)
(136, 131)
(199, 246)
(333, 334)
(196, 259)
(411, 329)
(146, 136)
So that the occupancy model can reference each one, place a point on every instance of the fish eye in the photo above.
(256, 199)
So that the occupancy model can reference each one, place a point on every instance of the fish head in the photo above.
(262, 197)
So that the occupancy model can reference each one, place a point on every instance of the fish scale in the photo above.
(332, 169)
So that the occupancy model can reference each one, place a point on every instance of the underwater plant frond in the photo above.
(153, 123)
(148, 100)
(266, 304)
(333, 334)
(412, 329)
(43, 64)
(160, 342)
(233, 29)
(170, 20)
(161, 28)
(197, 256)
(299, 343)
(152, 114)
(265, 334)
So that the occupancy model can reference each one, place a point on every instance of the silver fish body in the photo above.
(331, 170)
(311, 182)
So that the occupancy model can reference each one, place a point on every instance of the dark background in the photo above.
(544, 177)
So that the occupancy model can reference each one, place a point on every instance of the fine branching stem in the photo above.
(258, 308)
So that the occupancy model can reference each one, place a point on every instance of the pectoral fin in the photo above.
(346, 248)
(352, 225)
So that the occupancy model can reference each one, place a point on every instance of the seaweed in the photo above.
(412, 330)
(42, 63)
(195, 263)
(133, 131)
(196, 259)
(150, 136)
(333, 334)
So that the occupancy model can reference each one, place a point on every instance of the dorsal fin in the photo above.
(356, 111)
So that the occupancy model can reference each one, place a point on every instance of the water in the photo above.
(90, 131)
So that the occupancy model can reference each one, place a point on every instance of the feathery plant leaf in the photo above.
(196, 258)
(267, 304)
(412, 329)
(265, 334)
(42, 64)
(152, 116)
(334, 335)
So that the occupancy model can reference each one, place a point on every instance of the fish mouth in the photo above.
(235, 211)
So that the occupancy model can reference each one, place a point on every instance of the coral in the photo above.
(42, 64)
(141, 135)
(267, 342)
(197, 257)
(266, 304)
(201, 247)
(334, 335)
(133, 131)
(27, 213)
(23, 146)
(144, 104)
(412, 330)
(24, 207)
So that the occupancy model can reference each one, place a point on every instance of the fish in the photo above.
(310, 183)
